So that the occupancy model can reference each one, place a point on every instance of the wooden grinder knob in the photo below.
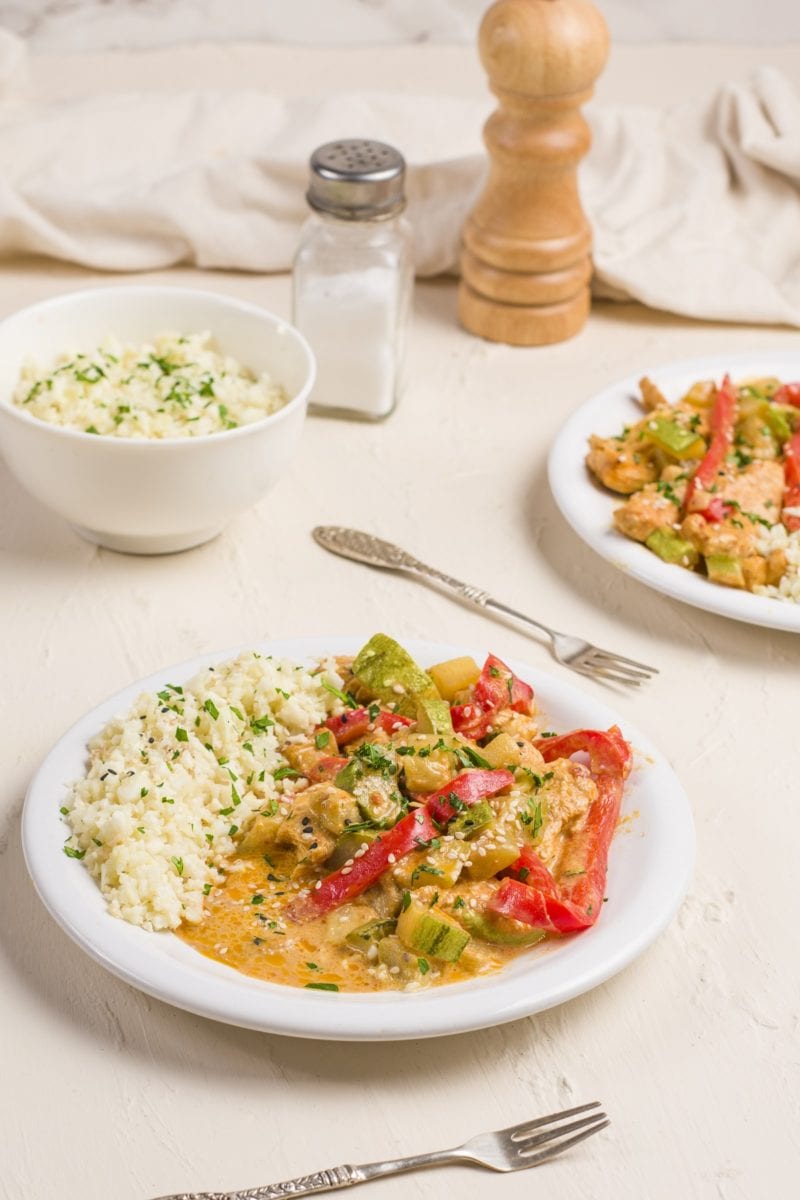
(525, 265)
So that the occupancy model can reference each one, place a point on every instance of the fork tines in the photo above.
(605, 665)
(537, 1142)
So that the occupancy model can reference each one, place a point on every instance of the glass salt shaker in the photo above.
(352, 278)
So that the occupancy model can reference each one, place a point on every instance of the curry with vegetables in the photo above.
(707, 477)
(435, 831)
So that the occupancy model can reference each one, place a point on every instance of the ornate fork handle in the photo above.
(327, 1181)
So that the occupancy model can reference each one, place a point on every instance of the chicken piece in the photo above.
(720, 537)
(621, 465)
(304, 756)
(777, 563)
(757, 489)
(319, 815)
(519, 725)
(754, 568)
(652, 396)
(645, 512)
(568, 797)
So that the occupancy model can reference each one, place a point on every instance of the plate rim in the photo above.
(347, 1016)
(569, 480)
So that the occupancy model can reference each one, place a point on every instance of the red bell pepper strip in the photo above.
(723, 421)
(497, 688)
(356, 722)
(412, 831)
(791, 469)
(789, 393)
(468, 787)
(326, 768)
(575, 901)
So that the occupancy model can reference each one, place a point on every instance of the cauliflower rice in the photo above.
(778, 537)
(180, 386)
(173, 781)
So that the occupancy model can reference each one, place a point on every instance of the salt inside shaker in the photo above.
(352, 277)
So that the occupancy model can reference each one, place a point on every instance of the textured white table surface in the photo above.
(693, 1049)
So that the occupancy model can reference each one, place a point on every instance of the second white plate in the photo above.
(588, 507)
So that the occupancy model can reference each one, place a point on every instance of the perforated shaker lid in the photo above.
(357, 179)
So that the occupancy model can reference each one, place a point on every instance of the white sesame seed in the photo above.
(392, 858)
(318, 885)
(346, 870)
(398, 689)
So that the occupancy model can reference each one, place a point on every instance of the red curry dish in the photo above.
(435, 832)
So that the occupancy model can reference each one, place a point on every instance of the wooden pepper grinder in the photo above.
(526, 265)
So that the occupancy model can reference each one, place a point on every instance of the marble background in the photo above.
(65, 25)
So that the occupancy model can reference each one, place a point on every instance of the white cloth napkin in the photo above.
(695, 210)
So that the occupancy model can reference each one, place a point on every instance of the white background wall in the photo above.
(89, 24)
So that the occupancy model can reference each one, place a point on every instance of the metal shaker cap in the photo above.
(357, 180)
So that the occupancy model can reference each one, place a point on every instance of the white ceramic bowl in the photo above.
(140, 495)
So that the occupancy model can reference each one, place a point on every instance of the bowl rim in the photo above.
(103, 439)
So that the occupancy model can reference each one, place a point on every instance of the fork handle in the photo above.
(477, 596)
(329, 1180)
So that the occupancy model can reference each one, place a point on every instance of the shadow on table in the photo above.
(634, 606)
(90, 1004)
(30, 533)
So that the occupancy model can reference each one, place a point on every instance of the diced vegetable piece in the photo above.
(366, 936)
(378, 798)
(674, 439)
(261, 834)
(725, 569)
(326, 768)
(498, 688)
(454, 676)
(499, 931)
(336, 810)
(348, 845)
(778, 421)
(789, 393)
(441, 867)
(351, 724)
(495, 859)
(503, 751)
(350, 775)
(473, 819)
(340, 923)
(427, 771)
(433, 716)
(791, 470)
(670, 546)
(393, 954)
(430, 933)
(389, 673)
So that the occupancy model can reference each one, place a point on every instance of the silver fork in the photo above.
(515, 1149)
(572, 652)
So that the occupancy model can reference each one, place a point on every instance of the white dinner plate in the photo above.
(588, 506)
(650, 866)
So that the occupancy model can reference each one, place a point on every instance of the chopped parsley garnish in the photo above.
(322, 739)
(324, 987)
(206, 888)
(167, 800)
(406, 900)
(211, 708)
(459, 901)
(424, 966)
(312, 966)
(177, 864)
(261, 724)
(71, 852)
(345, 698)
(143, 792)
(257, 899)
(285, 773)
(181, 735)
(237, 712)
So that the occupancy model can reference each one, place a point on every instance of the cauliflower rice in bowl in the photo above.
(179, 385)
